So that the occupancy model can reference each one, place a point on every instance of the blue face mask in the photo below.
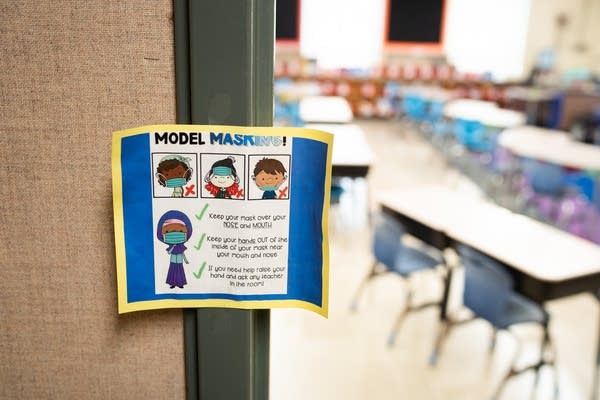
(175, 182)
(174, 237)
(269, 188)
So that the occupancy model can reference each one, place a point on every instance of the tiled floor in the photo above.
(346, 356)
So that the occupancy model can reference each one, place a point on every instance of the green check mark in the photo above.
(197, 246)
(199, 274)
(199, 216)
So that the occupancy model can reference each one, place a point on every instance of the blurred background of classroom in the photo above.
(466, 168)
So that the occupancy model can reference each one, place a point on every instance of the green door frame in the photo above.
(224, 52)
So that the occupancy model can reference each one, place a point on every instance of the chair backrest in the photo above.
(583, 183)
(545, 178)
(473, 135)
(391, 90)
(487, 284)
(463, 128)
(414, 106)
(436, 110)
(387, 244)
(336, 193)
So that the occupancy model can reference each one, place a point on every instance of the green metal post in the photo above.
(229, 53)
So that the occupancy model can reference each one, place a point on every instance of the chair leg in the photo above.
(443, 331)
(409, 307)
(361, 287)
(493, 341)
(511, 372)
(546, 347)
(547, 344)
(536, 381)
(400, 319)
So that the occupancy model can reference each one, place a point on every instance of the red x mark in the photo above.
(189, 190)
(239, 193)
(283, 193)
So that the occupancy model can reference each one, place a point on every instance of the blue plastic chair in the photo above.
(415, 107)
(437, 124)
(547, 183)
(488, 293)
(435, 111)
(336, 193)
(583, 183)
(392, 256)
(391, 90)
(545, 178)
(472, 135)
(579, 209)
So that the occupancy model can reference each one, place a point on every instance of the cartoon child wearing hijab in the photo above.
(222, 180)
(174, 229)
(269, 175)
(174, 171)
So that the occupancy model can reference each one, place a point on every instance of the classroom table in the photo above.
(442, 217)
(467, 109)
(501, 118)
(562, 265)
(486, 112)
(351, 156)
(551, 146)
(325, 109)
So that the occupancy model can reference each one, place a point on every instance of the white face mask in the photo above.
(222, 181)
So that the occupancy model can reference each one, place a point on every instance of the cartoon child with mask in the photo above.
(269, 175)
(174, 171)
(174, 229)
(222, 180)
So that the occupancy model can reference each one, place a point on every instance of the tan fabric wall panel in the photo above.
(71, 73)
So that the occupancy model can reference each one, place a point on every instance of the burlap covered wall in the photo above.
(71, 73)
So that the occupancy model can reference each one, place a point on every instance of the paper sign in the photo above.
(221, 216)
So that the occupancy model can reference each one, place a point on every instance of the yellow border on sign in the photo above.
(125, 306)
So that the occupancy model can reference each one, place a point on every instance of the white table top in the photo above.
(537, 249)
(467, 108)
(350, 146)
(486, 112)
(328, 109)
(431, 205)
(551, 146)
(501, 118)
